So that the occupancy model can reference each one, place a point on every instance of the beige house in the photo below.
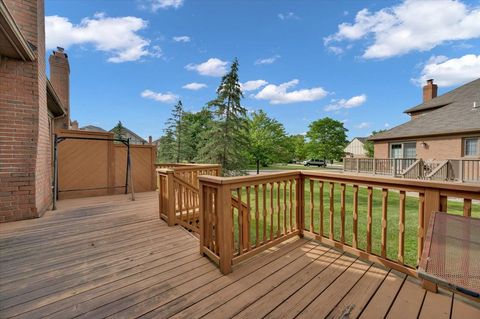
(442, 127)
(356, 147)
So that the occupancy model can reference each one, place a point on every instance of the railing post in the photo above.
(225, 224)
(170, 197)
(300, 200)
(358, 165)
(374, 166)
(344, 163)
(201, 216)
(394, 173)
(460, 170)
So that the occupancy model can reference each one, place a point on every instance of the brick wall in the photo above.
(25, 163)
(438, 148)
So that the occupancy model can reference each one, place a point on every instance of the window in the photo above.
(471, 146)
(403, 150)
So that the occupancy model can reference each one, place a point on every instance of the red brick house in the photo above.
(31, 107)
(442, 127)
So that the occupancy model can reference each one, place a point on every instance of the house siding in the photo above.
(355, 148)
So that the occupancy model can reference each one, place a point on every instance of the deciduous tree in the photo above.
(327, 139)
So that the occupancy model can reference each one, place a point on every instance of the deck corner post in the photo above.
(170, 198)
(201, 216)
(225, 226)
(432, 204)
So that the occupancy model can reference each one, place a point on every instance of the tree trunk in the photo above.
(258, 166)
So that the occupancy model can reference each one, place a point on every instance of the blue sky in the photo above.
(360, 62)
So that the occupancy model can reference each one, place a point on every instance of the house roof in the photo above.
(12, 42)
(92, 128)
(126, 130)
(54, 104)
(361, 139)
(451, 113)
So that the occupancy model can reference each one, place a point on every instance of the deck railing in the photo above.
(377, 166)
(179, 195)
(455, 170)
(377, 218)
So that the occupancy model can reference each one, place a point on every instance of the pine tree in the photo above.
(227, 139)
(118, 130)
(175, 129)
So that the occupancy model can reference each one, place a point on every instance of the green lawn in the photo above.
(411, 217)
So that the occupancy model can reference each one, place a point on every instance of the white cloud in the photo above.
(155, 5)
(414, 25)
(212, 67)
(363, 125)
(335, 50)
(116, 36)
(277, 94)
(448, 72)
(352, 102)
(288, 16)
(194, 86)
(269, 60)
(160, 97)
(253, 85)
(182, 38)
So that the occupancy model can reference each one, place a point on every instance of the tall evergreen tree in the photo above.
(166, 150)
(227, 139)
(175, 129)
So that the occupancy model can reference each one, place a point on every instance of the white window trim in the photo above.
(402, 148)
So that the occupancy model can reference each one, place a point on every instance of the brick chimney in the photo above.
(60, 78)
(429, 91)
(150, 139)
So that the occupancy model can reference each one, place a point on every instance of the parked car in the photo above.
(315, 162)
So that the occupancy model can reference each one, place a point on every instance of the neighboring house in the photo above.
(92, 128)
(134, 138)
(356, 147)
(31, 108)
(443, 127)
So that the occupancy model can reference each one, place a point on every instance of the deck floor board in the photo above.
(110, 257)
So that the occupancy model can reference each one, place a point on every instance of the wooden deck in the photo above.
(110, 257)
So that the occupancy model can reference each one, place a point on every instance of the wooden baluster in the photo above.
(421, 225)
(355, 217)
(320, 206)
(179, 201)
(384, 222)
(369, 218)
(278, 209)
(342, 213)
(284, 207)
(272, 187)
(401, 228)
(291, 205)
(300, 204)
(312, 229)
(208, 212)
(467, 207)
(247, 220)
(240, 221)
(257, 217)
(443, 204)
(264, 213)
(332, 210)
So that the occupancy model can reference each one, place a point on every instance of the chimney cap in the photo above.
(60, 49)
(430, 81)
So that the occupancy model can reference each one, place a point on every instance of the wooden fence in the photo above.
(95, 168)
(370, 217)
(459, 170)
(179, 192)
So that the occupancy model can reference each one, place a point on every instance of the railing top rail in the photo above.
(345, 178)
(249, 179)
(188, 168)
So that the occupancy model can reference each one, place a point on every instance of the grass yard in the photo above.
(411, 216)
